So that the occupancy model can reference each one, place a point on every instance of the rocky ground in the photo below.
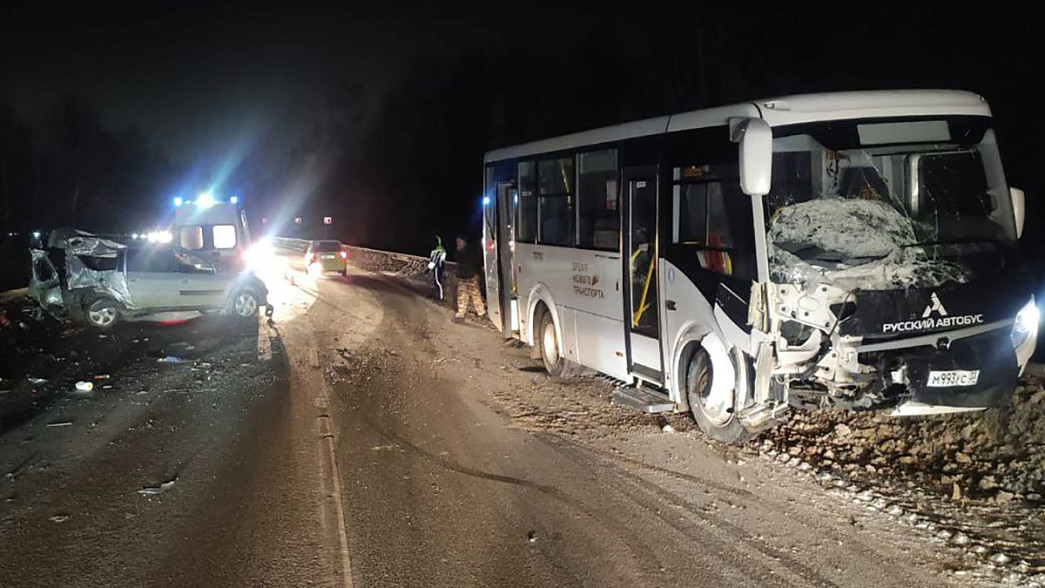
(975, 481)
(993, 457)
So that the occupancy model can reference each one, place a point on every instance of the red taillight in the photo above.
(312, 256)
(344, 255)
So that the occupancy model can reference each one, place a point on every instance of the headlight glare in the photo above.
(1026, 324)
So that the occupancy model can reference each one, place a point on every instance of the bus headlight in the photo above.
(1025, 327)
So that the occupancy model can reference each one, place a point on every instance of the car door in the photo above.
(199, 284)
(151, 279)
(45, 284)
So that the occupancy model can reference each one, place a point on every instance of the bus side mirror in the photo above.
(1019, 209)
(756, 154)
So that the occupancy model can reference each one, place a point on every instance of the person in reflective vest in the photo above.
(435, 265)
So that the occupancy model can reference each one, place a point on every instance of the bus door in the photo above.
(641, 306)
(507, 197)
(498, 242)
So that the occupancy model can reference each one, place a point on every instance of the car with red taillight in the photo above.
(326, 256)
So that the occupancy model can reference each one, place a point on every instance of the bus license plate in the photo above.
(328, 257)
(951, 378)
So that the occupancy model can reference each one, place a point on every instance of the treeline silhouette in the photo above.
(66, 168)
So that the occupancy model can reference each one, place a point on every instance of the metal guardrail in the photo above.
(290, 244)
(405, 258)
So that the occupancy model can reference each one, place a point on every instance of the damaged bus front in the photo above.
(852, 250)
(893, 278)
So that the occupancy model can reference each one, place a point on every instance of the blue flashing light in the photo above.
(486, 201)
(178, 201)
(234, 199)
(205, 200)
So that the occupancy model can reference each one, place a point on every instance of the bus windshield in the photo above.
(879, 205)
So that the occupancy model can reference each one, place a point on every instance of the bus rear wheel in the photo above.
(713, 410)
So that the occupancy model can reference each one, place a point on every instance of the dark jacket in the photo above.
(468, 263)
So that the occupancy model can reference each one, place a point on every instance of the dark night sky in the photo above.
(219, 86)
(202, 83)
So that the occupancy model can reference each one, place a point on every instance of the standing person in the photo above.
(467, 280)
(435, 265)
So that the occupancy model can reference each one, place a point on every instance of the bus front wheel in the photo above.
(713, 410)
(551, 351)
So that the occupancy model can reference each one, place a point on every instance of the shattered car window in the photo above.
(100, 264)
(884, 216)
(190, 264)
(42, 269)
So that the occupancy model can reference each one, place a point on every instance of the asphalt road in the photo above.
(365, 440)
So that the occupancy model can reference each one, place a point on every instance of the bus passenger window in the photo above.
(191, 237)
(224, 236)
(526, 231)
(555, 206)
(598, 215)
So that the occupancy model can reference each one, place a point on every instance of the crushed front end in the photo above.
(839, 348)
(893, 275)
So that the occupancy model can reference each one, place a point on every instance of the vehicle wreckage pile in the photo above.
(997, 456)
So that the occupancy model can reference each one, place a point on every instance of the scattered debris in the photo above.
(1000, 559)
(163, 487)
(668, 429)
(84, 386)
(171, 359)
(532, 536)
(37, 381)
(60, 424)
(102, 377)
(60, 518)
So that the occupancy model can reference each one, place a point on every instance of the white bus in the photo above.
(852, 250)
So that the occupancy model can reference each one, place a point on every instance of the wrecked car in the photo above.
(98, 281)
(847, 250)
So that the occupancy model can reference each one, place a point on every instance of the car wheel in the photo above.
(245, 304)
(713, 412)
(102, 313)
